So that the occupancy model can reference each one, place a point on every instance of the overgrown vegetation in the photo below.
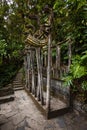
(77, 77)
(8, 71)
(11, 43)
(69, 22)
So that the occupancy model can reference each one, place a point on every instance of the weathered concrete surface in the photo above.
(22, 114)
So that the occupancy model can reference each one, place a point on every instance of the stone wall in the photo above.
(58, 88)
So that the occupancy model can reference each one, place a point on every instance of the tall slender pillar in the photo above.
(48, 74)
(25, 68)
(33, 73)
(58, 57)
(45, 59)
(69, 55)
(28, 71)
(40, 80)
(49, 61)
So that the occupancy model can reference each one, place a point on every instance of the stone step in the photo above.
(7, 98)
(19, 88)
(18, 77)
(17, 81)
(9, 85)
(6, 91)
(17, 84)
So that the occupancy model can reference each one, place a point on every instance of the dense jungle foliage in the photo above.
(69, 22)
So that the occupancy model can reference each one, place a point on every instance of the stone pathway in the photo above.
(22, 114)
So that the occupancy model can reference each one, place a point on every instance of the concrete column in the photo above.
(40, 80)
(69, 55)
(25, 68)
(33, 72)
(28, 71)
(58, 61)
(48, 74)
